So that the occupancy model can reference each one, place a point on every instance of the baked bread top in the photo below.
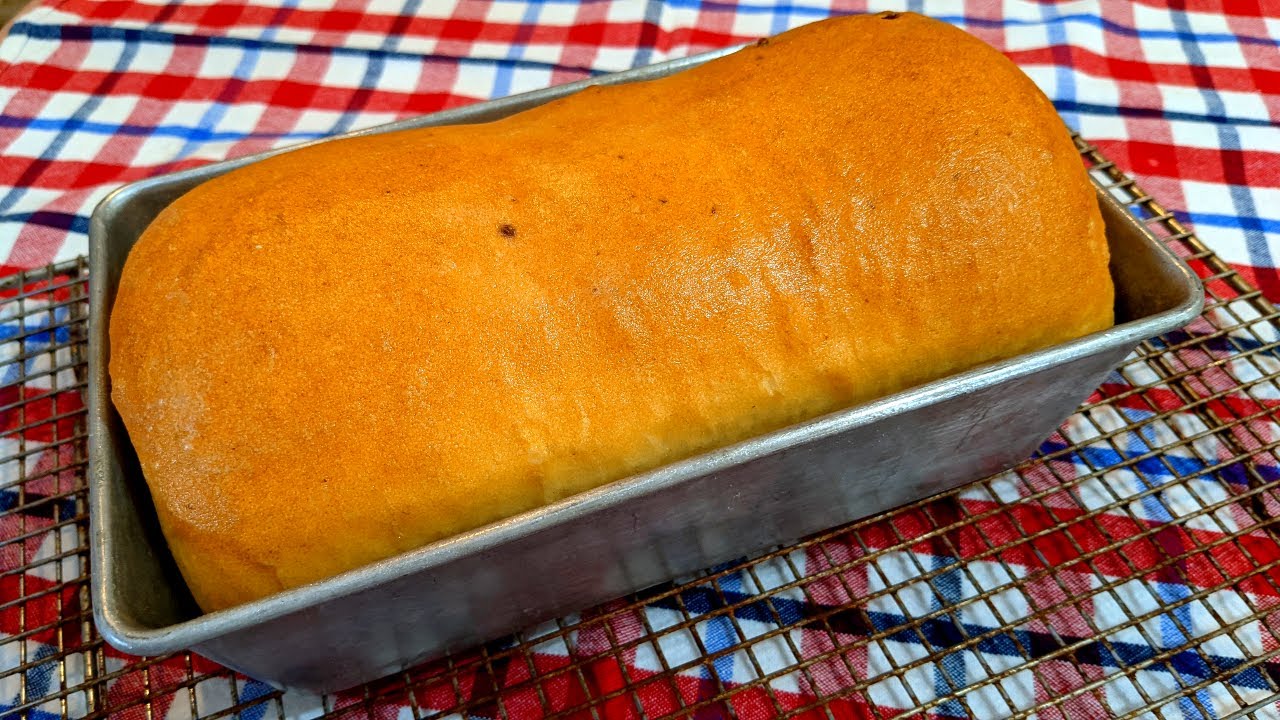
(353, 349)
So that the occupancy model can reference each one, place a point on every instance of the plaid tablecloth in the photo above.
(1185, 96)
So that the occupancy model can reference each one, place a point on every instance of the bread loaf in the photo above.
(350, 350)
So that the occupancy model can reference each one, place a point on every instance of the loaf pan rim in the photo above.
(142, 640)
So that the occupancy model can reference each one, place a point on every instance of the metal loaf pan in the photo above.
(601, 544)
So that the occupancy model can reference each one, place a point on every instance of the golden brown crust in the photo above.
(351, 350)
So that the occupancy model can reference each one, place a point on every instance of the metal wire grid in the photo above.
(1181, 395)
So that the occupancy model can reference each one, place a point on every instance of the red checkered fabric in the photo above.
(1185, 96)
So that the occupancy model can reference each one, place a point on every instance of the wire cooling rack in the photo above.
(1129, 569)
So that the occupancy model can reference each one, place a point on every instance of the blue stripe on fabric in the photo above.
(719, 635)
(40, 337)
(46, 218)
(1218, 344)
(38, 680)
(250, 691)
(1109, 25)
(375, 65)
(505, 75)
(60, 510)
(1173, 624)
(1228, 139)
(652, 19)
(503, 87)
(79, 32)
(1160, 466)
(781, 21)
(177, 131)
(36, 336)
(1158, 113)
(949, 675)
(1151, 473)
(1228, 221)
(941, 634)
(82, 113)
(1063, 75)
(131, 36)
(243, 72)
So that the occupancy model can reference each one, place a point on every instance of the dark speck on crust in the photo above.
(713, 209)
(508, 230)
(662, 200)
(762, 42)
(889, 16)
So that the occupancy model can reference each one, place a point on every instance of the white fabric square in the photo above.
(103, 56)
(1225, 54)
(987, 700)
(772, 574)
(274, 65)
(345, 71)
(1163, 50)
(614, 59)
(1007, 607)
(240, 118)
(61, 540)
(538, 53)
(503, 12)
(299, 36)
(679, 648)
(1005, 488)
(214, 695)
(1230, 244)
(400, 75)
(32, 143)
(887, 658)
(1209, 197)
(775, 654)
(646, 658)
(1118, 605)
(368, 40)
(220, 61)
(1149, 17)
(31, 50)
(157, 149)
(898, 568)
(1123, 696)
(1026, 37)
(476, 79)
(186, 113)
(318, 121)
(1086, 35)
(113, 109)
(1044, 76)
(529, 79)
(485, 49)
(561, 14)
(751, 25)
(1245, 105)
(788, 683)
(1097, 91)
(1181, 99)
(621, 12)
